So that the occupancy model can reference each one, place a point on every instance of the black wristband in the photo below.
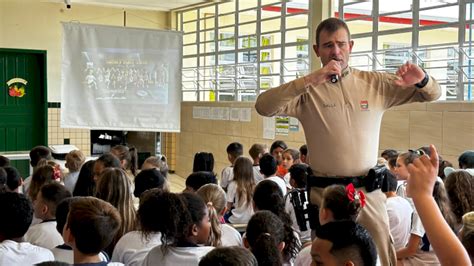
(423, 82)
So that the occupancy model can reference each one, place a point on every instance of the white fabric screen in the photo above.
(121, 78)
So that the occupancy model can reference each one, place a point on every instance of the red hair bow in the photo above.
(352, 194)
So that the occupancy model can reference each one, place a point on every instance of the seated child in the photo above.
(234, 151)
(184, 226)
(298, 196)
(91, 226)
(239, 192)
(256, 152)
(63, 252)
(14, 180)
(148, 179)
(44, 234)
(37, 154)
(155, 162)
(339, 203)
(203, 161)
(229, 256)
(17, 214)
(343, 243)
(276, 150)
(268, 196)
(199, 179)
(222, 234)
(4, 161)
(132, 247)
(74, 160)
(399, 212)
(268, 167)
(264, 237)
(289, 158)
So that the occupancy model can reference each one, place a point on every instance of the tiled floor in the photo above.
(177, 183)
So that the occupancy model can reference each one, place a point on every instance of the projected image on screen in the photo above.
(126, 76)
(119, 78)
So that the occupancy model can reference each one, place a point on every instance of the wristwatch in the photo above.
(424, 81)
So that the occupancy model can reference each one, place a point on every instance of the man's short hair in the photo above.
(148, 179)
(350, 241)
(17, 214)
(93, 224)
(268, 165)
(331, 25)
(38, 153)
(466, 160)
(4, 161)
(235, 149)
(256, 150)
(229, 256)
(199, 179)
(52, 194)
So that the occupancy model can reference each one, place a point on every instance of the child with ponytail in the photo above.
(222, 234)
(265, 238)
(340, 203)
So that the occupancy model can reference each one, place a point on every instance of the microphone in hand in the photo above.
(334, 78)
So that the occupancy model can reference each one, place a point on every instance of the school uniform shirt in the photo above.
(256, 174)
(132, 242)
(176, 256)
(227, 175)
(399, 217)
(44, 235)
(280, 182)
(241, 212)
(230, 236)
(70, 181)
(64, 253)
(24, 253)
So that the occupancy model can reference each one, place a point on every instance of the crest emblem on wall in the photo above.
(16, 87)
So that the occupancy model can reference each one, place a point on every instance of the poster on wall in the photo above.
(269, 128)
(294, 124)
(282, 125)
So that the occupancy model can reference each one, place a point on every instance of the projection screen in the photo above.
(120, 78)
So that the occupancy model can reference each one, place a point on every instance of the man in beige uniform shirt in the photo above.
(342, 120)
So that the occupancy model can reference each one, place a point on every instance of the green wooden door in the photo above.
(23, 120)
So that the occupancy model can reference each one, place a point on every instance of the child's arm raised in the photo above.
(421, 182)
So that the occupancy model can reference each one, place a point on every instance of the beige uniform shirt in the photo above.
(342, 121)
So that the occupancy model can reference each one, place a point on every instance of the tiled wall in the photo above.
(57, 135)
(168, 148)
(448, 125)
